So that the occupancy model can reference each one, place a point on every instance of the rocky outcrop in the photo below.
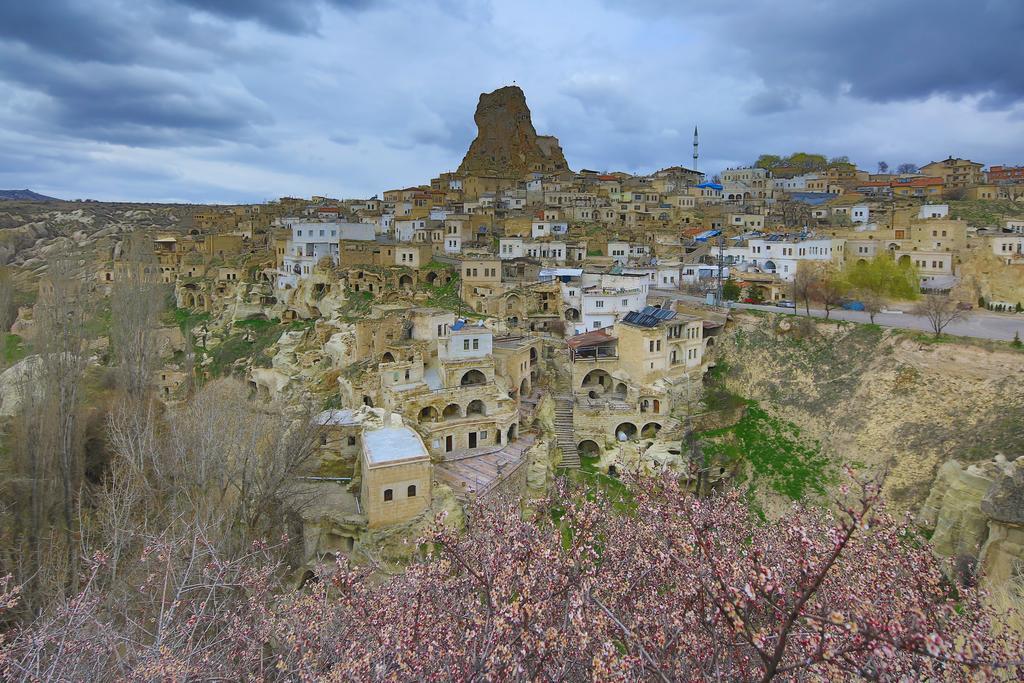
(977, 516)
(507, 145)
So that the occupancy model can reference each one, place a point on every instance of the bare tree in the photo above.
(940, 310)
(906, 168)
(883, 167)
(873, 303)
(830, 290)
(63, 312)
(136, 302)
(804, 284)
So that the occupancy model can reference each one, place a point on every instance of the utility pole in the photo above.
(721, 264)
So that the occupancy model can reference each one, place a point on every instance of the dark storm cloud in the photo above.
(234, 100)
(287, 16)
(772, 101)
(131, 73)
(880, 50)
(131, 105)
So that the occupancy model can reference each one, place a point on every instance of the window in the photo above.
(652, 346)
(351, 441)
(389, 495)
(411, 491)
(465, 345)
(476, 344)
(599, 304)
(323, 439)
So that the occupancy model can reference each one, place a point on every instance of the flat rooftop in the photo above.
(337, 418)
(391, 445)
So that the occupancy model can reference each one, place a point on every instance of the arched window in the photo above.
(411, 491)
(388, 495)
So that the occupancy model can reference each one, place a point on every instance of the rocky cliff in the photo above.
(976, 514)
(881, 400)
(507, 145)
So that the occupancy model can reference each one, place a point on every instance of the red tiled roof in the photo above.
(923, 181)
(589, 339)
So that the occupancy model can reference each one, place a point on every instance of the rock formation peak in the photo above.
(506, 144)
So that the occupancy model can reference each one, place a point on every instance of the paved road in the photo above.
(982, 324)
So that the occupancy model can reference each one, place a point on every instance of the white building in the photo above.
(466, 341)
(933, 211)
(860, 213)
(312, 241)
(601, 306)
(780, 256)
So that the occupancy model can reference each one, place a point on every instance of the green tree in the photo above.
(730, 290)
(883, 277)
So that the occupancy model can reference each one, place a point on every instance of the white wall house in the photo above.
(453, 244)
(470, 341)
(312, 241)
(781, 256)
(933, 211)
(601, 307)
(860, 213)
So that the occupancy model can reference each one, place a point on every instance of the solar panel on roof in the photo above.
(650, 316)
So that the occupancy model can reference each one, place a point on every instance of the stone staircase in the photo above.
(565, 432)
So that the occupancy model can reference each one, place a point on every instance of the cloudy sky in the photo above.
(246, 100)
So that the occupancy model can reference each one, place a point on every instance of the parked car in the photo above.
(853, 305)
(785, 303)
(748, 300)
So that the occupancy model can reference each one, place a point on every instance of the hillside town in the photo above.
(474, 334)
(511, 324)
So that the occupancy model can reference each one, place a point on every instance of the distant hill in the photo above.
(25, 195)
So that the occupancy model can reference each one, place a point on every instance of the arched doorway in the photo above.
(473, 378)
(432, 278)
(367, 401)
(770, 266)
(524, 387)
(476, 408)
(388, 357)
(588, 448)
(625, 431)
(572, 315)
(650, 430)
(597, 379)
(904, 261)
(452, 411)
(428, 414)
(620, 390)
(512, 432)
(405, 282)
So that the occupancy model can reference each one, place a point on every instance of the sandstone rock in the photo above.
(507, 145)
(15, 381)
(1004, 501)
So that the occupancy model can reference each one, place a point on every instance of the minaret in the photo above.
(695, 143)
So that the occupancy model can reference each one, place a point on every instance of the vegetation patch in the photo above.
(775, 450)
(14, 349)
